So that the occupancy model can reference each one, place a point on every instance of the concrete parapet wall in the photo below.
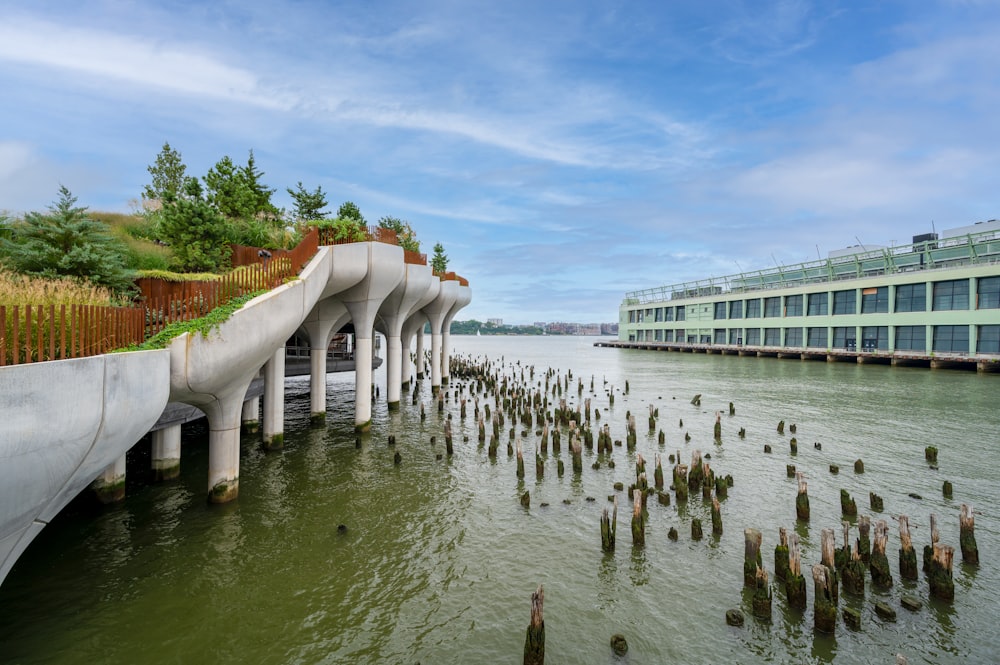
(63, 423)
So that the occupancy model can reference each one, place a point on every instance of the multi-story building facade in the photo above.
(936, 301)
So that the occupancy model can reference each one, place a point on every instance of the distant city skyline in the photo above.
(563, 153)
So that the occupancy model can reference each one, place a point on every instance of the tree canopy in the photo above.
(168, 174)
(238, 191)
(439, 261)
(407, 236)
(309, 206)
(66, 242)
(195, 230)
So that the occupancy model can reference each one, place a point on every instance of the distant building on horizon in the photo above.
(495, 322)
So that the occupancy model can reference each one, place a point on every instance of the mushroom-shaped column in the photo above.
(326, 318)
(436, 312)
(415, 321)
(213, 371)
(385, 271)
(393, 312)
(420, 345)
(463, 299)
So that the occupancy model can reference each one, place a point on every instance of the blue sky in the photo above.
(563, 152)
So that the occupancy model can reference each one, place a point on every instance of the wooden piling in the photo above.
(879, 563)
(520, 461)
(864, 540)
(824, 605)
(967, 535)
(638, 521)
(534, 640)
(802, 499)
(847, 504)
(781, 555)
(828, 546)
(716, 517)
(939, 577)
(795, 583)
(907, 555)
(751, 556)
(609, 528)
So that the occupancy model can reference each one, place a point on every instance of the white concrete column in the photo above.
(251, 415)
(274, 400)
(110, 485)
(317, 384)
(224, 443)
(420, 353)
(435, 362)
(167, 452)
(393, 372)
(363, 383)
(445, 352)
(405, 365)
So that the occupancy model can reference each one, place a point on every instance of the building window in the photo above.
(736, 335)
(736, 309)
(818, 305)
(989, 339)
(720, 335)
(753, 309)
(845, 302)
(772, 307)
(631, 316)
(680, 313)
(705, 339)
(911, 338)
(720, 310)
(753, 336)
(793, 305)
(669, 336)
(669, 311)
(659, 314)
(953, 294)
(845, 337)
(659, 335)
(951, 338)
(793, 337)
(875, 300)
(692, 339)
(911, 298)
(772, 336)
(679, 335)
(988, 295)
(875, 338)
(816, 336)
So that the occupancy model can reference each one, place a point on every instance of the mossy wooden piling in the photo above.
(828, 546)
(847, 504)
(824, 603)
(761, 595)
(802, 498)
(638, 520)
(716, 517)
(939, 577)
(751, 556)
(608, 528)
(534, 640)
(879, 563)
(967, 535)
(864, 539)
(781, 555)
(795, 583)
(907, 555)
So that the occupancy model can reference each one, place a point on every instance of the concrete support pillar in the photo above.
(274, 400)
(251, 415)
(224, 443)
(109, 487)
(435, 362)
(405, 365)
(167, 452)
(420, 353)
(363, 383)
(317, 385)
(393, 372)
(445, 353)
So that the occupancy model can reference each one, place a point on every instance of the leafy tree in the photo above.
(195, 230)
(308, 205)
(67, 242)
(439, 262)
(348, 210)
(260, 194)
(407, 236)
(168, 174)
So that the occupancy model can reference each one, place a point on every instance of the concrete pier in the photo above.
(109, 486)
(166, 450)
(274, 400)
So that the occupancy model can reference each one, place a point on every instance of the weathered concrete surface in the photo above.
(63, 423)
(436, 312)
(393, 313)
(414, 327)
(463, 298)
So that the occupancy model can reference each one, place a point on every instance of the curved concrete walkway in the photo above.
(65, 422)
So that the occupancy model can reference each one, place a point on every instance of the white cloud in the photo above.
(176, 68)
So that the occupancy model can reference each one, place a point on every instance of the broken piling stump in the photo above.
(879, 563)
(534, 640)
(751, 556)
(608, 529)
(939, 576)
(824, 607)
(802, 499)
(967, 535)
(907, 555)
(795, 583)
(781, 555)
(638, 520)
(762, 595)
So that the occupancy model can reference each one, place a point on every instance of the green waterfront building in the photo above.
(935, 302)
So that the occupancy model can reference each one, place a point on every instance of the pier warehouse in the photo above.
(935, 303)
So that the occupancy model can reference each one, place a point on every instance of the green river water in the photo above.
(439, 558)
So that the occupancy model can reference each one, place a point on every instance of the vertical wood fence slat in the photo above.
(3, 335)
(52, 332)
(62, 331)
(16, 345)
(27, 333)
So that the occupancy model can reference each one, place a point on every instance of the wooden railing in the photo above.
(243, 255)
(414, 258)
(39, 333)
(372, 234)
(56, 332)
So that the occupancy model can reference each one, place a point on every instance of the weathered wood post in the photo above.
(718, 427)
(658, 474)
(781, 555)
(545, 438)
(879, 564)
(608, 528)
(696, 475)
(696, 532)
(761, 595)
(534, 640)
(847, 505)
(539, 465)
(907, 555)
(802, 499)
(828, 546)
(875, 501)
(447, 438)
(967, 535)
(577, 452)
(716, 517)
(854, 573)
(939, 577)
(751, 556)
(795, 583)
(520, 461)
(681, 482)
(638, 521)
(824, 605)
